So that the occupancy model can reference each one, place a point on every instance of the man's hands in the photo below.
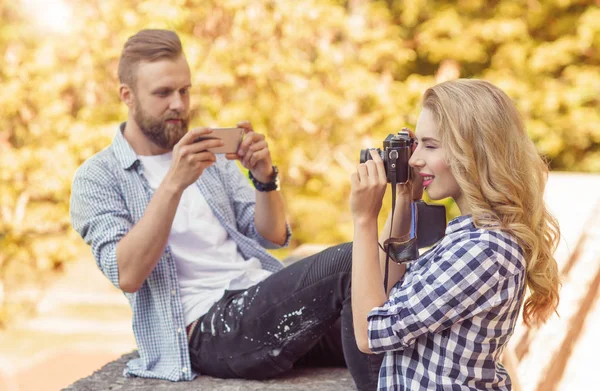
(190, 159)
(254, 154)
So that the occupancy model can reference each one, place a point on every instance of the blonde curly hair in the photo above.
(502, 178)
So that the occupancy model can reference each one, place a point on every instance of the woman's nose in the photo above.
(415, 161)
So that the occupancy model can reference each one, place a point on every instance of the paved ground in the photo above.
(84, 322)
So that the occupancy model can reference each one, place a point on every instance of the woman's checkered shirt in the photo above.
(447, 321)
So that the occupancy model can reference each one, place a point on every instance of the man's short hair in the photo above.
(147, 46)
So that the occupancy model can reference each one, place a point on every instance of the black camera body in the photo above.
(397, 149)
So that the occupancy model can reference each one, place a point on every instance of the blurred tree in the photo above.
(322, 79)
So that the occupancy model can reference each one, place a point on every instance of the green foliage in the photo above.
(322, 79)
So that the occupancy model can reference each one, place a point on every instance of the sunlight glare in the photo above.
(53, 15)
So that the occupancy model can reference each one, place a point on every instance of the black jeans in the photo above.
(299, 316)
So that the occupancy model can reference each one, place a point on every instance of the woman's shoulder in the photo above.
(493, 243)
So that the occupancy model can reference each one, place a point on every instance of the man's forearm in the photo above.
(140, 250)
(367, 280)
(269, 216)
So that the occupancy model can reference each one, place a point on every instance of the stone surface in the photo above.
(110, 377)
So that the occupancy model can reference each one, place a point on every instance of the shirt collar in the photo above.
(460, 223)
(123, 150)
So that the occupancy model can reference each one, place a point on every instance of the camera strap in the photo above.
(405, 248)
(393, 156)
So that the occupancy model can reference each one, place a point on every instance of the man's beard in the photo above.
(159, 131)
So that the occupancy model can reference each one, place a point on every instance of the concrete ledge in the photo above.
(110, 377)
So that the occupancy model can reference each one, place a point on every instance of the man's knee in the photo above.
(334, 261)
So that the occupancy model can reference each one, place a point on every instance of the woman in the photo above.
(448, 316)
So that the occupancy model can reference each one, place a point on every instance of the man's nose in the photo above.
(177, 103)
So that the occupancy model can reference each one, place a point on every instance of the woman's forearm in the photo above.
(402, 220)
(367, 280)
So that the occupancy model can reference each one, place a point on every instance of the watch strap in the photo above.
(269, 186)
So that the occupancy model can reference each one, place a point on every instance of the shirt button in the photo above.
(179, 331)
(173, 292)
(184, 370)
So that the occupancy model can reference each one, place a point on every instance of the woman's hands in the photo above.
(413, 189)
(369, 183)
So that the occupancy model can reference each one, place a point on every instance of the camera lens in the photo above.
(365, 155)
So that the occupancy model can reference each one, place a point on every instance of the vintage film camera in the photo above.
(397, 149)
(428, 222)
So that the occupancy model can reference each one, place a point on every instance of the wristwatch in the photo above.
(269, 186)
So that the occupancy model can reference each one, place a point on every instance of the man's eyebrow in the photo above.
(162, 88)
(170, 88)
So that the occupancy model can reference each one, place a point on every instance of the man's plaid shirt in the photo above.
(109, 196)
(448, 320)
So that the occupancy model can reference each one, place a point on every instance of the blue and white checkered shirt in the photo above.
(448, 320)
(109, 196)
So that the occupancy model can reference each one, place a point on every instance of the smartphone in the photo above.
(232, 138)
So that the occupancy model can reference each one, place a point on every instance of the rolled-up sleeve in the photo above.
(244, 202)
(100, 216)
(464, 281)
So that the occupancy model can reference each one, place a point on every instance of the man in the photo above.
(182, 233)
